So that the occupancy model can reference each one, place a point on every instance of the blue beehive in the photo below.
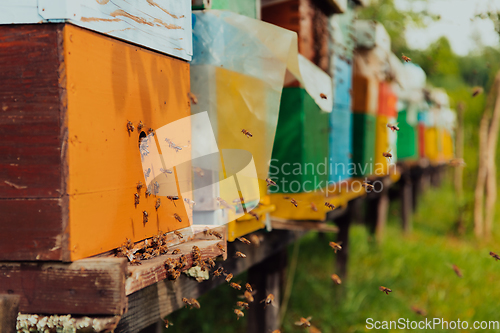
(342, 82)
(340, 144)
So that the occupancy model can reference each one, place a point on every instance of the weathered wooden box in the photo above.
(69, 168)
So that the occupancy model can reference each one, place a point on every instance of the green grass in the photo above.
(418, 269)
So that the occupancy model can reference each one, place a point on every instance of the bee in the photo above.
(313, 329)
(173, 198)
(157, 205)
(242, 304)
(167, 323)
(146, 173)
(165, 171)
(457, 270)
(144, 217)
(140, 126)
(254, 215)
(139, 186)
(271, 182)
(385, 290)
(244, 240)
(336, 247)
(269, 300)
(336, 279)
(248, 287)
(177, 217)
(235, 285)
(221, 247)
(367, 186)
(194, 303)
(196, 249)
(255, 240)
(216, 234)
(190, 202)
(239, 313)
(304, 322)
(130, 127)
(292, 200)
(178, 234)
(193, 98)
(224, 204)
(219, 271)
(323, 96)
(176, 251)
(248, 296)
(135, 261)
(393, 127)
(199, 171)
(388, 155)
(247, 133)
(147, 256)
(148, 193)
(228, 277)
(405, 58)
(494, 255)
(136, 199)
(238, 254)
(313, 207)
(419, 311)
(457, 162)
(211, 262)
(329, 205)
(151, 131)
(476, 91)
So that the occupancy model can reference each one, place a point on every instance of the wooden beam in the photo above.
(344, 223)
(9, 307)
(377, 207)
(302, 225)
(406, 195)
(87, 287)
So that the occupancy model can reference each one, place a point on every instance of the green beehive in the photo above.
(242, 7)
(300, 151)
(363, 144)
(407, 138)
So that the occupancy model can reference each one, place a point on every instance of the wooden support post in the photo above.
(406, 194)
(420, 181)
(9, 307)
(377, 207)
(266, 278)
(344, 223)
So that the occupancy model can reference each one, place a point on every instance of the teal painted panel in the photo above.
(407, 146)
(363, 142)
(242, 7)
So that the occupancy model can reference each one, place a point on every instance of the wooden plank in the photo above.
(406, 193)
(9, 307)
(88, 286)
(30, 140)
(344, 224)
(149, 305)
(161, 25)
(302, 225)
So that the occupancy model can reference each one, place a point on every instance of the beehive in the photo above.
(407, 147)
(385, 142)
(71, 166)
(363, 144)
(341, 144)
(242, 7)
(342, 82)
(433, 147)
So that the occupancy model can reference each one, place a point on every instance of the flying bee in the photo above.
(255, 240)
(235, 285)
(254, 215)
(176, 251)
(314, 208)
(336, 279)
(193, 98)
(199, 171)
(177, 217)
(329, 205)
(457, 270)
(248, 296)
(239, 254)
(247, 133)
(136, 199)
(457, 162)
(178, 234)
(292, 200)
(270, 182)
(242, 304)
(165, 171)
(221, 247)
(224, 204)
(228, 277)
(494, 255)
(219, 271)
(190, 202)
(151, 131)
(140, 126)
(476, 91)
(393, 127)
(239, 313)
(323, 96)
(144, 217)
(248, 286)
(157, 205)
(304, 322)
(385, 290)
(419, 311)
(313, 329)
(367, 186)
(244, 240)
(167, 323)
(139, 186)
(130, 127)
(146, 173)
(173, 198)
(405, 58)
(335, 246)
(269, 300)
(388, 155)
(216, 234)
(211, 262)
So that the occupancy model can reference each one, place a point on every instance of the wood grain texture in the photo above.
(89, 286)
(152, 303)
(9, 307)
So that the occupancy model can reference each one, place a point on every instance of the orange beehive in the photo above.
(70, 166)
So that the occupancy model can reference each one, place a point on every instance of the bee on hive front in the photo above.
(385, 290)
(270, 182)
(269, 300)
(151, 131)
(216, 234)
(176, 251)
(157, 205)
(177, 217)
(219, 245)
(388, 155)
(173, 198)
(178, 234)
(140, 126)
(145, 217)
(247, 133)
(139, 186)
(304, 322)
(136, 199)
(335, 246)
(130, 127)
(323, 96)
(292, 200)
(314, 208)
(193, 98)
(329, 205)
